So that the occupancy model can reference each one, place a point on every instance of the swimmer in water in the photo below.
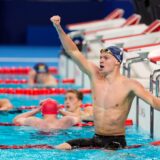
(5, 105)
(40, 75)
(112, 94)
(49, 122)
(73, 103)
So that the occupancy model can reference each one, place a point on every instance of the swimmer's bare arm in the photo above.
(24, 116)
(145, 95)
(5, 104)
(68, 121)
(71, 48)
(87, 114)
(89, 110)
(66, 113)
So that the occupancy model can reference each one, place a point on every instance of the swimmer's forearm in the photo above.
(66, 41)
(28, 114)
(66, 113)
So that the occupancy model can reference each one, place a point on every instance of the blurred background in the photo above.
(26, 23)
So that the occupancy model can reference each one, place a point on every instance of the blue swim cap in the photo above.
(41, 68)
(116, 52)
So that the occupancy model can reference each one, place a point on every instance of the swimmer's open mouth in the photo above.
(67, 107)
(101, 66)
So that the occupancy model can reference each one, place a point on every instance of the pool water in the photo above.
(15, 135)
(28, 135)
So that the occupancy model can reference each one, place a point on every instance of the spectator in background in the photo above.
(40, 75)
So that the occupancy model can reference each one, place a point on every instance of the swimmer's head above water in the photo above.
(73, 100)
(49, 107)
(41, 68)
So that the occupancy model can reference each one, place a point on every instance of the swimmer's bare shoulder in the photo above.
(30, 121)
(94, 69)
(133, 86)
(132, 83)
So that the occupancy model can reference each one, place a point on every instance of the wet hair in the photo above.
(76, 92)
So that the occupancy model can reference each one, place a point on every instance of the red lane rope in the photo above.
(45, 146)
(38, 146)
(22, 70)
(61, 106)
(38, 91)
(77, 125)
(32, 91)
(25, 81)
(8, 124)
(129, 122)
(156, 143)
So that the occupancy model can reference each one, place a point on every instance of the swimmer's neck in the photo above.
(50, 118)
(112, 76)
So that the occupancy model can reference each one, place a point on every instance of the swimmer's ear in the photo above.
(117, 62)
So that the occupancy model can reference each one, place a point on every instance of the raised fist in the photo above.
(55, 20)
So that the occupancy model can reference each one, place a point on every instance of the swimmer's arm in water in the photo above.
(88, 110)
(71, 48)
(145, 95)
(68, 121)
(66, 113)
(5, 105)
(22, 117)
(87, 114)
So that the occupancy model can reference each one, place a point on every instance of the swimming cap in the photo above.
(115, 51)
(41, 68)
(49, 106)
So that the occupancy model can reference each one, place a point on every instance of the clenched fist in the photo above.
(55, 20)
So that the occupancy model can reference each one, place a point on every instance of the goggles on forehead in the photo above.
(114, 51)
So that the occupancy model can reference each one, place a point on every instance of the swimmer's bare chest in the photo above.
(109, 95)
(111, 107)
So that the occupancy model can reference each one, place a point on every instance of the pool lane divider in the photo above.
(46, 146)
(38, 91)
(25, 81)
(128, 122)
(22, 70)
(20, 109)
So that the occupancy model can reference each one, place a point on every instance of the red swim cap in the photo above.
(49, 107)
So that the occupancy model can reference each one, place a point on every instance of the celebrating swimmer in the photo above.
(112, 94)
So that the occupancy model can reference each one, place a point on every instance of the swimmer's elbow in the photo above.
(18, 120)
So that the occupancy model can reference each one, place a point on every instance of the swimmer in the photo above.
(73, 103)
(40, 75)
(5, 105)
(49, 122)
(112, 94)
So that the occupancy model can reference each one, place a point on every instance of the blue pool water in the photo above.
(27, 135)
(12, 135)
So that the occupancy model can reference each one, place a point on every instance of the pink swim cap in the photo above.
(49, 107)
